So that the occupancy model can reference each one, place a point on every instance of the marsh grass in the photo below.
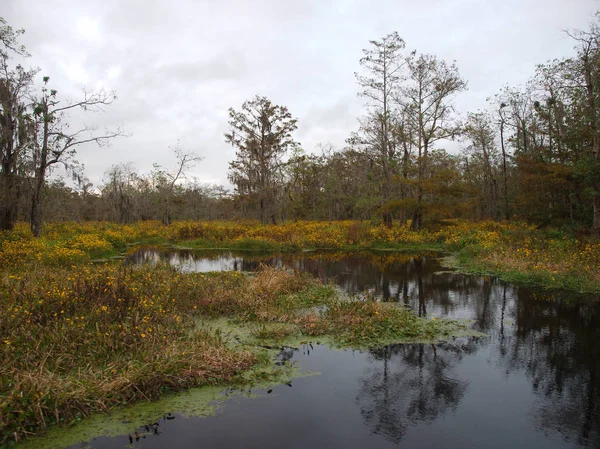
(546, 259)
(274, 332)
(516, 250)
(88, 338)
(84, 339)
(293, 305)
(76, 338)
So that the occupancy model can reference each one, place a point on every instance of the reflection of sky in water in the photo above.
(191, 264)
(419, 283)
(534, 382)
(412, 396)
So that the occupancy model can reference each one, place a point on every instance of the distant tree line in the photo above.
(533, 154)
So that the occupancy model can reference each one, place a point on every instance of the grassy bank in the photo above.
(87, 338)
(78, 338)
(83, 339)
(516, 251)
(545, 259)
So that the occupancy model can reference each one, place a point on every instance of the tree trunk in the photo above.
(417, 219)
(385, 154)
(36, 208)
(506, 209)
(8, 199)
(35, 219)
(404, 189)
(591, 99)
(263, 218)
(596, 220)
(387, 219)
(167, 212)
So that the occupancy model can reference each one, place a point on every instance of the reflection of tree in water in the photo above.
(406, 384)
(147, 256)
(285, 355)
(413, 280)
(557, 344)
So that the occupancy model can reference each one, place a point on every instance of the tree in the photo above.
(553, 127)
(482, 149)
(9, 39)
(166, 180)
(56, 144)
(504, 169)
(262, 134)
(15, 122)
(383, 63)
(119, 191)
(588, 65)
(211, 198)
(427, 98)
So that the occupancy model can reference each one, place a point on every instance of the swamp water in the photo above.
(533, 382)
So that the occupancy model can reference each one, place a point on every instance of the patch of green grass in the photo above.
(248, 244)
(470, 262)
(283, 308)
(274, 332)
(364, 324)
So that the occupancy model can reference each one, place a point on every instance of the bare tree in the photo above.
(504, 170)
(9, 38)
(166, 180)
(56, 144)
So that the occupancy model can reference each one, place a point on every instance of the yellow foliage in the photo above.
(504, 246)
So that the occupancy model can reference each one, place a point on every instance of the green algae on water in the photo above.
(195, 402)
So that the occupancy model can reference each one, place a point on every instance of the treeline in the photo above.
(533, 154)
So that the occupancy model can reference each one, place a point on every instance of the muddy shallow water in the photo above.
(534, 382)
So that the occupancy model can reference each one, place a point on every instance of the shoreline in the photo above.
(81, 337)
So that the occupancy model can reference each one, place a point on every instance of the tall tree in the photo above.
(588, 63)
(383, 66)
(56, 144)
(479, 130)
(262, 134)
(15, 122)
(428, 99)
(119, 191)
(501, 122)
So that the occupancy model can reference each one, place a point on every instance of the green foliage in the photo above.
(255, 245)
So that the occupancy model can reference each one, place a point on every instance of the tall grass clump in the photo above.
(78, 340)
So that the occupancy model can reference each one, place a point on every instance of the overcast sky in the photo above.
(178, 65)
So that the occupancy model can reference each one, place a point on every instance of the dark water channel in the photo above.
(534, 382)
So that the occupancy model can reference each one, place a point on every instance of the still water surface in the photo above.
(532, 383)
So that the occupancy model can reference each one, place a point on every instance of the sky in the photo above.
(178, 66)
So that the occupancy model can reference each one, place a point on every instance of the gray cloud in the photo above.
(178, 66)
